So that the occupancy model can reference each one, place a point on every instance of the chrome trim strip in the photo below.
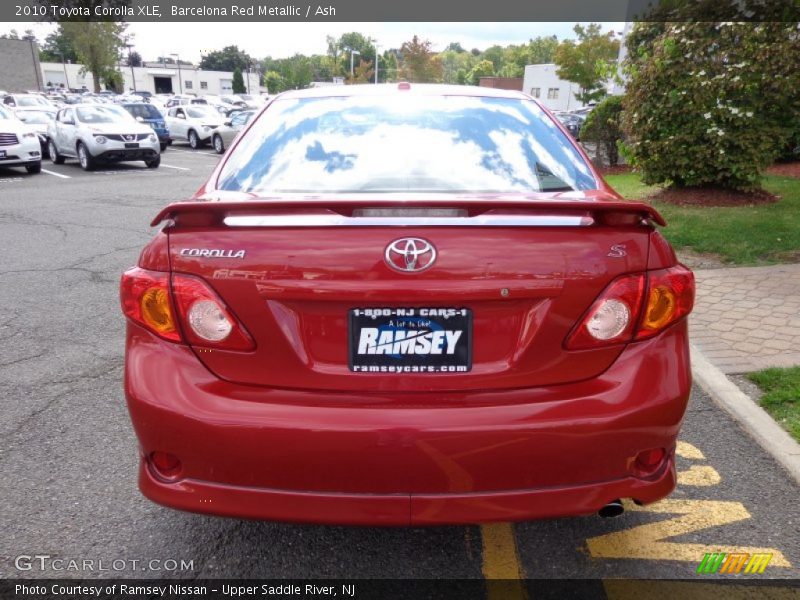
(334, 220)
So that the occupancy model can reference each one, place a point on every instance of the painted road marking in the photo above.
(54, 174)
(699, 476)
(10, 179)
(501, 561)
(647, 541)
(174, 167)
(686, 450)
(214, 154)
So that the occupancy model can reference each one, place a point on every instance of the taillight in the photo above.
(635, 307)
(205, 318)
(670, 296)
(145, 300)
(612, 317)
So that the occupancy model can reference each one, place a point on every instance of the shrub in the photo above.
(603, 127)
(710, 103)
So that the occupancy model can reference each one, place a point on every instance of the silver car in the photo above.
(96, 133)
(225, 134)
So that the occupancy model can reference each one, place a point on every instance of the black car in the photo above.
(572, 122)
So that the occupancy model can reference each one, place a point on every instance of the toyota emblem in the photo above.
(410, 255)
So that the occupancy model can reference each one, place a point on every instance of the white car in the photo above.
(101, 133)
(15, 101)
(19, 144)
(194, 123)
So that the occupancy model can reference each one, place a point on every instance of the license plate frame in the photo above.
(424, 347)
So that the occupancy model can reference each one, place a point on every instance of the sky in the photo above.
(280, 40)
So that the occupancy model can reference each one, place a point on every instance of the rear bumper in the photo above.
(400, 459)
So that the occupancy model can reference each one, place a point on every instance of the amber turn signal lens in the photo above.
(156, 311)
(661, 306)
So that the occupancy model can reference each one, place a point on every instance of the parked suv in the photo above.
(147, 113)
(96, 133)
(19, 144)
(193, 123)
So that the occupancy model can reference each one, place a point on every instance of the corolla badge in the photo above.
(410, 255)
(212, 253)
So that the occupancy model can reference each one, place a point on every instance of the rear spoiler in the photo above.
(345, 212)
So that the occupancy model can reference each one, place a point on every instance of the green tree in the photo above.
(97, 46)
(362, 73)
(603, 127)
(484, 68)
(57, 48)
(238, 81)
(418, 64)
(588, 62)
(134, 59)
(274, 82)
(229, 58)
(708, 103)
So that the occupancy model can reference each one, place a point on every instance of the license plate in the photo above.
(410, 340)
(131, 145)
(2, 153)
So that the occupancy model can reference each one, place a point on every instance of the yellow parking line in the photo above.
(501, 561)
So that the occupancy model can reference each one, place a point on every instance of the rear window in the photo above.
(146, 111)
(404, 143)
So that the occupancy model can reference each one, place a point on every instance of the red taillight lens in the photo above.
(670, 296)
(612, 317)
(635, 307)
(145, 300)
(205, 318)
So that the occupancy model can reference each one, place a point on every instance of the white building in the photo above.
(541, 82)
(153, 77)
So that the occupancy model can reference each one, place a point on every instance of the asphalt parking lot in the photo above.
(68, 453)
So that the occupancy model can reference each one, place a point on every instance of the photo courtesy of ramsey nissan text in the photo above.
(389, 301)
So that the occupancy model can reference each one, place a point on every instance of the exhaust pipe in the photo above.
(612, 509)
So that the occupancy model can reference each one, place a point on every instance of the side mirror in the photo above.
(227, 123)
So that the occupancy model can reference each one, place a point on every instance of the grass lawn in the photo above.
(748, 235)
(781, 397)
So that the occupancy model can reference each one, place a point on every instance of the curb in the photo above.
(752, 418)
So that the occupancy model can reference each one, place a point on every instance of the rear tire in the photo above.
(163, 146)
(194, 141)
(86, 160)
(53, 152)
(34, 168)
(219, 145)
(153, 164)
(169, 142)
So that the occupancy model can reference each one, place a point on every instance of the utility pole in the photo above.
(180, 81)
(130, 64)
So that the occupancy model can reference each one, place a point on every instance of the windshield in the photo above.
(146, 111)
(31, 101)
(405, 144)
(36, 116)
(102, 114)
(202, 112)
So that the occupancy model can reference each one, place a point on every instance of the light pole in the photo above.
(178, 61)
(130, 64)
(64, 62)
(352, 54)
(376, 61)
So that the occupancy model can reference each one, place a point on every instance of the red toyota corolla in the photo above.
(406, 304)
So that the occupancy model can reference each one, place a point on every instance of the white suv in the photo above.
(19, 144)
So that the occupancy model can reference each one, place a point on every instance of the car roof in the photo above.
(385, 89)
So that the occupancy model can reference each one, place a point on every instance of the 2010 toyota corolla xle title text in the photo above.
(406, 304)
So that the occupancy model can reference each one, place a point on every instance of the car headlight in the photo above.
(100, 139)
(152, 137)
